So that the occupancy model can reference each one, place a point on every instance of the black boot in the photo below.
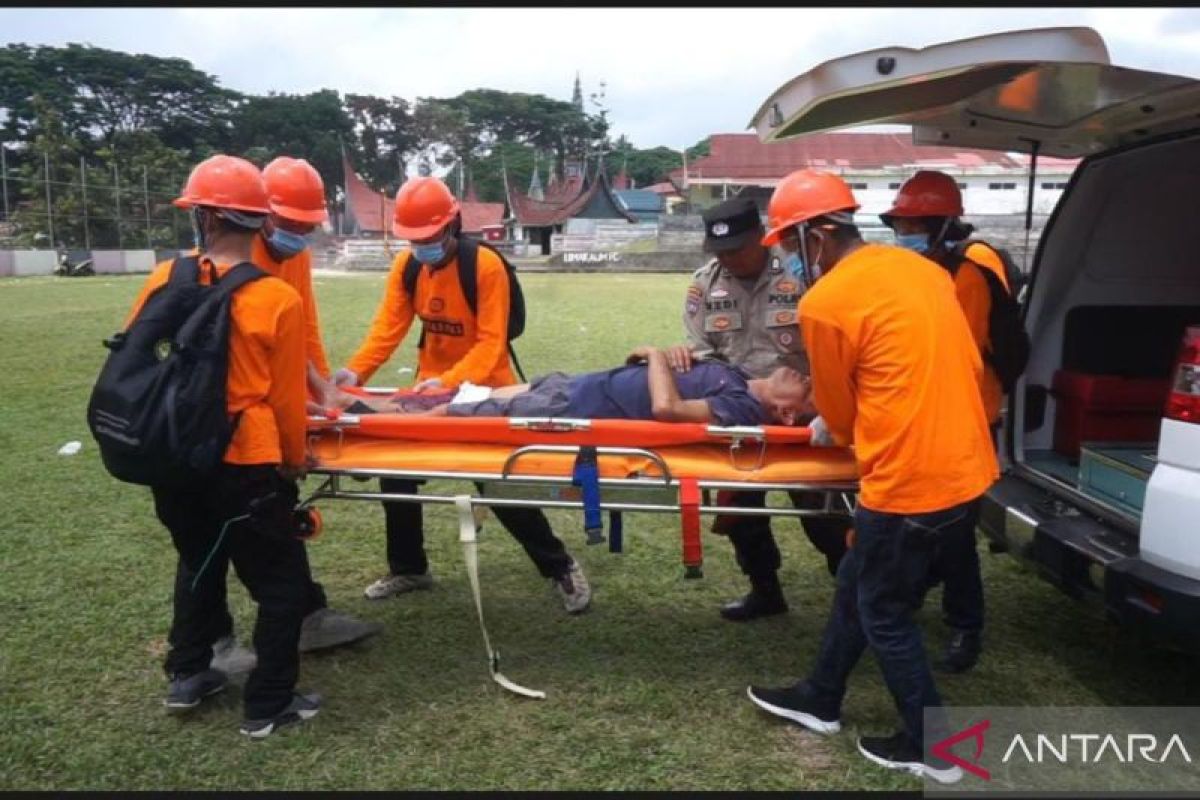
(961, 653)
(764, 600)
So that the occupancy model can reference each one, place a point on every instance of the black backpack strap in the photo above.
(468, 272)
(237, 277)
(185, 270)
(412, 271)
(468, 278)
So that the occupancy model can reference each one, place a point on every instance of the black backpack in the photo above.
(1008, 354)
(468, 260)
(158, 409)
(1012, 273)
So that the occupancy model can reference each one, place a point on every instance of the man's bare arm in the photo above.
(665, 403)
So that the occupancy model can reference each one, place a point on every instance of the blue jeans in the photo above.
(879, 584)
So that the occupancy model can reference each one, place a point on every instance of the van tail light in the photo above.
(1183, 403)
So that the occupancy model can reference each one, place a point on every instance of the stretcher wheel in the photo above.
(693, 572)
(308, 523)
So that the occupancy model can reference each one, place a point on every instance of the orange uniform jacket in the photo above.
(896, 373)
(297, 273)
(458, 345)
(266, 379)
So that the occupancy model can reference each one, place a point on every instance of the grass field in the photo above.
(646, 691)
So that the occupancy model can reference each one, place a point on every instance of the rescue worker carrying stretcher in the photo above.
(741, 309)
(296, 198)
(896, 374)
(253, 493)
(456, 346)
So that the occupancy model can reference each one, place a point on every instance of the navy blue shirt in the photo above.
(624, 393)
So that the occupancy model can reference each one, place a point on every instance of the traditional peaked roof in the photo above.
(372, 210)
(569, 198)
(742, 157)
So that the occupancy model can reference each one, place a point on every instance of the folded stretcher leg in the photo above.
(467, 535)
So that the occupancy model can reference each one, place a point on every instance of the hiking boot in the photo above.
(961, 652)
(796, 703)
(900, 752)
(231, 657)
(186, 691)
(389, 585)
(573, 586)
(326, 628)
(302, 707)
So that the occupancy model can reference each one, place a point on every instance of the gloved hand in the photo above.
(345, 377)
(821, 437)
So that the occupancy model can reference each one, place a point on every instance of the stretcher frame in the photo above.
(615, 495)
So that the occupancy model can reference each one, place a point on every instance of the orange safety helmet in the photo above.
(804, 195)
(295, 190)
(926, 194)
(423, 207)
(225, 182)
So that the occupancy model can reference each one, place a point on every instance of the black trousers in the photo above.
(754, 544)
(406, 533)
(268, 560)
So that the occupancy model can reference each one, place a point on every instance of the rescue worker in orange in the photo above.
(456, 346)
(297, 201)
(265, 391)
(926, 219)
(896, 374)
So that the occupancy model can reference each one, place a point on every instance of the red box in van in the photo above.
(1105, 408)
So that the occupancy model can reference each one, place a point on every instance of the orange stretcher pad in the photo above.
(769, 454)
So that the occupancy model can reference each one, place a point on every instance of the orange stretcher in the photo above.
(593, 466)
(590, 465)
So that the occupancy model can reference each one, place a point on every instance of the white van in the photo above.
(1100, 448)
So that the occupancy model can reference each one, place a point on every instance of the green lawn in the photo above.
(646, 691)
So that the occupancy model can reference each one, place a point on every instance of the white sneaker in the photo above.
(231, 657)
(573, 586)
(389, 585)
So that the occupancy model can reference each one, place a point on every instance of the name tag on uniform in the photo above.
(719, 323)
(443, 327)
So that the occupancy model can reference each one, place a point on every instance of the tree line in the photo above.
(129, 127)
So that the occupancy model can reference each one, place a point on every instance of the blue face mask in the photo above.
(794, 264)
(286, 244)
(917, 242)
(429, 253)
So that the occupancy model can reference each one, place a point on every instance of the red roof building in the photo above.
(741, 158)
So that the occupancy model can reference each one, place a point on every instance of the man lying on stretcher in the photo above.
(654, 385)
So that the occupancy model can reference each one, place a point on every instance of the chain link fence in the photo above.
(98, 206)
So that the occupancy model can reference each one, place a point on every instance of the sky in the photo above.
(672, 76)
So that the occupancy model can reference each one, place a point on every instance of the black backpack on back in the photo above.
(1008, 354)
(468, 261)
(1012, 273)
(158, 409)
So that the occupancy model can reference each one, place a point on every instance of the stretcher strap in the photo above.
(689, 503)
(616, 532)
(586, 475)
(466, 535)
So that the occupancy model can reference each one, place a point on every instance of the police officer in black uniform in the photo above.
(741, 307)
